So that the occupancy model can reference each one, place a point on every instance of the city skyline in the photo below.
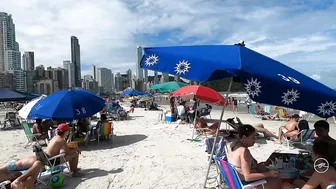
(285, 31)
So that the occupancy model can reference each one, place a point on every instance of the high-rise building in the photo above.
(28, 61)
(104, 78)
(10, 57)
(129, 77)
(139, 70)
(117, 81)
(75, 59)
(20, 82)
(156, 78)
(71, 72)
(94, 72)
(146, 75)
(165, 77)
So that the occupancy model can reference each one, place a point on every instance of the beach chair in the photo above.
(220, 148)
(32, 138)
(253, 112)
(50, 164)
(301, 138)
(231, 178)
(105, 131)
(282, 114)
(12, 119)
(267, 109)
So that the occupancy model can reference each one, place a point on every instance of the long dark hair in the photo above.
(245, 130)
(303, 125)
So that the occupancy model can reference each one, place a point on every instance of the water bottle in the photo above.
(292, 162)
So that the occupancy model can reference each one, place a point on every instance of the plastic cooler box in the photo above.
(170, 118)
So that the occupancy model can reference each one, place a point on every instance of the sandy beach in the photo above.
(145, 153)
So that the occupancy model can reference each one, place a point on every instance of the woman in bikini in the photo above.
(324, 177)
(247, 167)
(259, 127)
(203, 126)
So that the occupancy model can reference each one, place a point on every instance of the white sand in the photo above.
(145, 154)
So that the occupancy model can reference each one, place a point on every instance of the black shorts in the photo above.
(54, 162)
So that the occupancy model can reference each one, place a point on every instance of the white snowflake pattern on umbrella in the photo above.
(151, 60)
(182, 67)
(253, 87)
(290, 96)
(327, 108)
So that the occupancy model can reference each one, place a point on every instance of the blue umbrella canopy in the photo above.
(132, 92)
(7, 95)
(67, 105)
(266, 80)
(148, 95)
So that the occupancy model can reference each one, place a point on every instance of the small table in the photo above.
(302, 162)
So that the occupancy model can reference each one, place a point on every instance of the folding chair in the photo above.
(30, 136)
(231, 178)
(105, 131)
(51, 164)
(302, 137)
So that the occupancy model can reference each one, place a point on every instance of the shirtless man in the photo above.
(11, 172)
(58, 145)
(290, 129)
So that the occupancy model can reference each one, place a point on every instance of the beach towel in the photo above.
(219, 146)
(105, 129)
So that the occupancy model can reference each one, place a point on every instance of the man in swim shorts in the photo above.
(11, 171)
(290, 129)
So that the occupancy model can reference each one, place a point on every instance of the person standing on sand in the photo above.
(290, 129)
(58, 145)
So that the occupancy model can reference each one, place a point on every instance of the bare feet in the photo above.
(278, 141)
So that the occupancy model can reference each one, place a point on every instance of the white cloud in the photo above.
(295, 33)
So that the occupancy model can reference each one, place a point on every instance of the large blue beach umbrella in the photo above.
(67, 105)
(132, 92)
(266, 80)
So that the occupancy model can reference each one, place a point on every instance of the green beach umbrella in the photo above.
(168, 86)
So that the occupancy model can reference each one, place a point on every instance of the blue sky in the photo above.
(301, 34)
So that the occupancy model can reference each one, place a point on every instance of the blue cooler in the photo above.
(170, 118)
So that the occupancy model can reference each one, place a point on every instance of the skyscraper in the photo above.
(10, 56)
(156, 78)
(104, 77)
(28, 62)
(71, 72)
(94, 72)
(75, 59)
(139, 71)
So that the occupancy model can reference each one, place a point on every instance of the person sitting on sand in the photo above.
(259, 127)
(247, 167)
(290, 129)
(202, 125)
(323, 178)
(59, 145)
(11, 172)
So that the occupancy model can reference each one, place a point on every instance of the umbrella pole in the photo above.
(218, 128)
(193, 133)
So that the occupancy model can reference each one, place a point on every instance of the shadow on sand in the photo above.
(73, 182)
(117, 141)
